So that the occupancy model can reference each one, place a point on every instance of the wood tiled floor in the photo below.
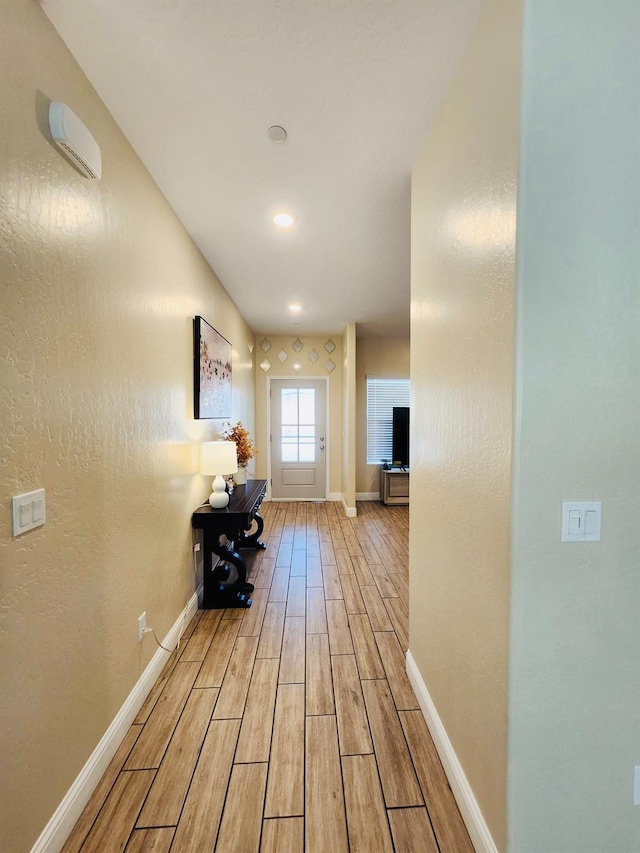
(290, 726)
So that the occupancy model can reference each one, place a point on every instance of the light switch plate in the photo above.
(29, 511)
(581, 521)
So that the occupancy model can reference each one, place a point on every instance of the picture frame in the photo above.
(211, 372)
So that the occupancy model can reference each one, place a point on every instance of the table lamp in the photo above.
(218, 458)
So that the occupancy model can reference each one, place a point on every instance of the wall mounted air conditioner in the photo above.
(73, 138)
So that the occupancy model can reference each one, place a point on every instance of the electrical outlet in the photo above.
(142, 625)
(196, 547)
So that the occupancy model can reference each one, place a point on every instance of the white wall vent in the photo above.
(71, 135)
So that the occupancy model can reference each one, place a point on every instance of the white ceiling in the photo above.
(195, 84)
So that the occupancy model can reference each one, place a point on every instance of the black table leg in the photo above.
(252, 540)
(225, 584)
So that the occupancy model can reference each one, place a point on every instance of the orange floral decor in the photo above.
(244, 446)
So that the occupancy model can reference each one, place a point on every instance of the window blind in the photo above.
(382, 395)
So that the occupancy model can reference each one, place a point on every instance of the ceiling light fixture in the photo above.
(276, 133)
(284, 220)
(295, 308)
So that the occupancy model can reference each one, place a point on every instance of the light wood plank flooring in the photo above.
(290, 726)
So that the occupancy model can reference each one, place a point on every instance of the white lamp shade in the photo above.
(218, 457)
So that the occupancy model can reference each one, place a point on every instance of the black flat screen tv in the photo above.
(400, 439)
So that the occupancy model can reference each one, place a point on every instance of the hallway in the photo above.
(290, 726)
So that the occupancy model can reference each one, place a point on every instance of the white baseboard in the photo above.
(367, 496)
(350, 511)
(64, 818)
(467, 803)
(338, 497)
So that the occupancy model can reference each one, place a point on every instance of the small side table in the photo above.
(394, 486)
(225, 577)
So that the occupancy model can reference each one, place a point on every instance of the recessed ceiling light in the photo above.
(284, 220)
(295, 307)
(277, 133)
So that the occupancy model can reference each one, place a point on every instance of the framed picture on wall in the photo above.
(212, 372)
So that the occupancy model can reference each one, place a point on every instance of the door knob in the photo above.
(321, 438)
(322, 447)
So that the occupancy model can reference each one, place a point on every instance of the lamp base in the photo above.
(218, 500)
(219, 497)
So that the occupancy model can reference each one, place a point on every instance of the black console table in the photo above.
(225, 578)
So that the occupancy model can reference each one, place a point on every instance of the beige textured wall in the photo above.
(575, 643)
(462, 307)
(99, 284)
(349, 418)
(307, 368)
(375, 357)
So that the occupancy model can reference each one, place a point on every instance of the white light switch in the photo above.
(29, 511)
(37, 509)
(575, 522)
(581, 521)
(591, 521)
(26, 517)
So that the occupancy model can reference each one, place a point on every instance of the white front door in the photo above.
(298, 433)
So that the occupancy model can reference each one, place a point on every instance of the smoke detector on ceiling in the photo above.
(74, 139)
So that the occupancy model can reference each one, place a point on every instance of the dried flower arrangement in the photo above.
(244, 446)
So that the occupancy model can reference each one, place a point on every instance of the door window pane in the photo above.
(289, 400)
(289, 452)
(307, 406)
(307, 453)
(298, 437)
